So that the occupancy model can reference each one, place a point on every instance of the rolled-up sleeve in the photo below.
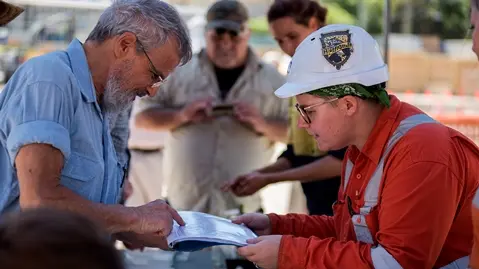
(41, 113)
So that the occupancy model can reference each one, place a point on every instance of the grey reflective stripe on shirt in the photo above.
(347, 173)
(380, 257)
(383, 260)
(372, 190)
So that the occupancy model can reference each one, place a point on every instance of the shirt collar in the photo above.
(382, 130)
(81, 70)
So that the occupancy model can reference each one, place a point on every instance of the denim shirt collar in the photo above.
(81, 70)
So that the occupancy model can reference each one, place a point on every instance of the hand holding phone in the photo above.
(222, 110)
(196, 111)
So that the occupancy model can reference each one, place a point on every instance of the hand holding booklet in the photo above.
(203, 230)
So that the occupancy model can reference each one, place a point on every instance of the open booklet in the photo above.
(204, 230)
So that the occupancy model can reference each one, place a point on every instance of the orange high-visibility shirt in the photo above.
(423, 218)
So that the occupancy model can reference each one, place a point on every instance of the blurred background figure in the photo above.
(319, 172)
(46, 238)
(291, 21)
(222, 114)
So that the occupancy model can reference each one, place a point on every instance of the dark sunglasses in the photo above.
(222, 31)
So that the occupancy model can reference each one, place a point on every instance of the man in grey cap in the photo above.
(222, 114)
(227, 14)
(8, 12)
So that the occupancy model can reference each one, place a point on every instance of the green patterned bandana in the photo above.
(374, 92)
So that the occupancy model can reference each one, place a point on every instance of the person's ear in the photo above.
(124, 45)
(349, 104)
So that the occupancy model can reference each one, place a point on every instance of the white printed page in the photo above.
(201, 226)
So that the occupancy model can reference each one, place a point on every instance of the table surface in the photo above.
(158, 259)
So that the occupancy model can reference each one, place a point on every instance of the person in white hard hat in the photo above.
(407, 182)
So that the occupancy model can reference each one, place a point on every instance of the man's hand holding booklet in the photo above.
(203, 230)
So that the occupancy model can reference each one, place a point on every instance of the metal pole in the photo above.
(386, 28)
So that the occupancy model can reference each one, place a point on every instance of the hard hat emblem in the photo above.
(337, 47)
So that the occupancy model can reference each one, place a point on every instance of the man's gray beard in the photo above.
(115, 99)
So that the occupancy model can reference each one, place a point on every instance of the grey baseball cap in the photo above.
(8, 12)
(227, 14)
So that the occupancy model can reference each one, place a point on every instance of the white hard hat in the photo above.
(335, 54)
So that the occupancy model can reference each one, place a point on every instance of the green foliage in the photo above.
(453, 14)
(259, 25)
(337, 14)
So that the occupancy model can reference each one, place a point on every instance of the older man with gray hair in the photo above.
(56, 148)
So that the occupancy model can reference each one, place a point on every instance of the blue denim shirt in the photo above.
(51, 99)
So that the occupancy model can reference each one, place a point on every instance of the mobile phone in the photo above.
(222, 110)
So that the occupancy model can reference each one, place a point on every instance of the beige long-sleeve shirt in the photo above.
(199, 158)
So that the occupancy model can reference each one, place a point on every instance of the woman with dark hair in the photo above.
(319, 172)
(475, 208)
(291, 21)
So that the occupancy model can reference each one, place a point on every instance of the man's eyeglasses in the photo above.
(303, 111)
(155, 74)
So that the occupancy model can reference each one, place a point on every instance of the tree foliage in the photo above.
(445, 18)
(448, 19)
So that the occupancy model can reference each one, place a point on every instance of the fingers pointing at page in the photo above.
(176, 216)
